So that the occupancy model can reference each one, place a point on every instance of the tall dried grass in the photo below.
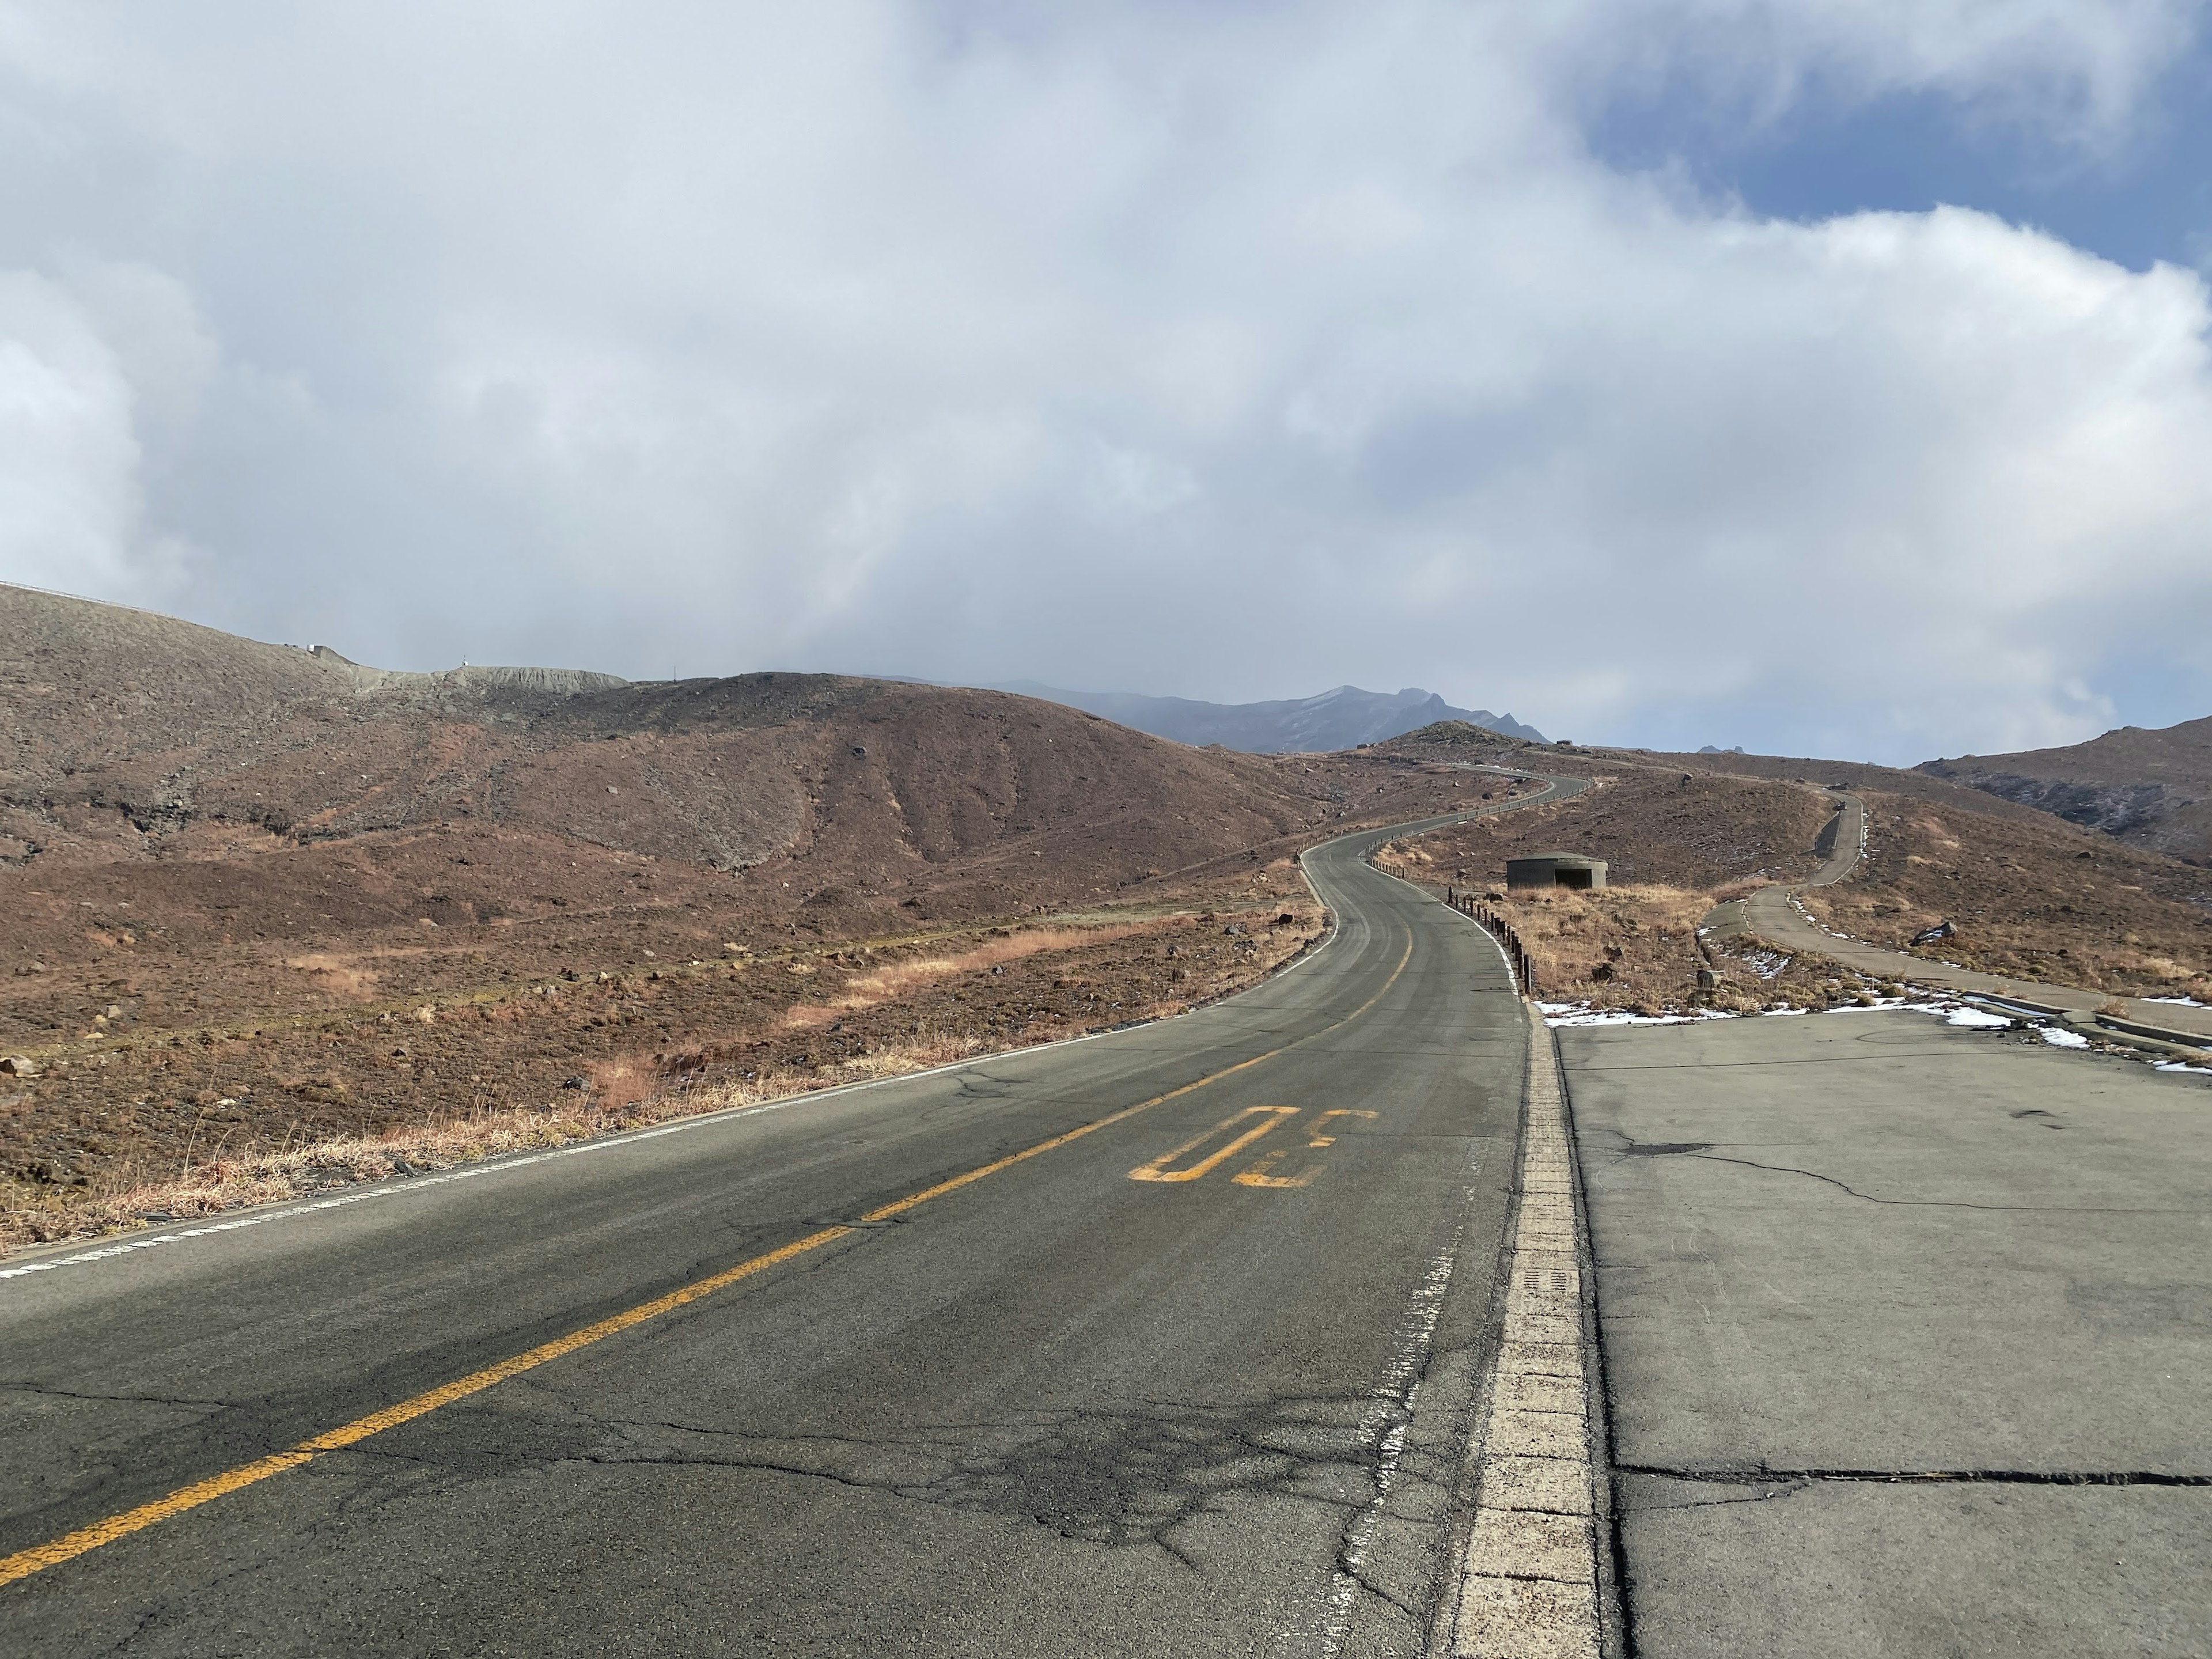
(889, 981)
(1628, 947)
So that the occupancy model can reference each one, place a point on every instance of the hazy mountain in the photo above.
(1335, 720)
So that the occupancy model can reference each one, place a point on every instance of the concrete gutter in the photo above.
(2178, 1045)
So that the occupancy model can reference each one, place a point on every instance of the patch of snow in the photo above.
(1777, 1013)
(1964, 1015)
(2177, 1002)
(2181, 1066)
(2059, 1037)
(1581, 1013)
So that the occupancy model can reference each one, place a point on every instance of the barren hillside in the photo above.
(2148, 788)
(229, 869)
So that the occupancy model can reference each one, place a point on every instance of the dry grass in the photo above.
(625, 1095)
(921, 1012)
(1619, 947)
(340, 977)
(890, 981)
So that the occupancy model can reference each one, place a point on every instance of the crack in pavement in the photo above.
(1697, 1150)
(1760, 1475)
(1113, 1477)
(1383, 1429)
(47, 1391)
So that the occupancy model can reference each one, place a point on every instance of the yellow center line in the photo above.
(69, 1546)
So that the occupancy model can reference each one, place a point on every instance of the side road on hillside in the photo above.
(1772, 913)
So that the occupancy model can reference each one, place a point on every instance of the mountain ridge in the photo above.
(2151, 787)
(1343, 717)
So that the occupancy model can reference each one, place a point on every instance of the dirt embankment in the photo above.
(1675, 844)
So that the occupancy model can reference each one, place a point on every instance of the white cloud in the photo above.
(68, 453)
(1214, 351)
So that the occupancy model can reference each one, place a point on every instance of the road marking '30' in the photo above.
(1244, 1130)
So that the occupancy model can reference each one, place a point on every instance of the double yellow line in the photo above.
(69, 1546)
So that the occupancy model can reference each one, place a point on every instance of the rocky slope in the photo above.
(2148, 788)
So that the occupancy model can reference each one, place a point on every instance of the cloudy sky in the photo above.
(1821, 375)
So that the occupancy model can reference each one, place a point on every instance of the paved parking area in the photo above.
(1907, 1334)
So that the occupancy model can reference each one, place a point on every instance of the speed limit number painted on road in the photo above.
(1201, 1155)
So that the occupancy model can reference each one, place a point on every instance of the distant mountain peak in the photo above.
(1343, 717)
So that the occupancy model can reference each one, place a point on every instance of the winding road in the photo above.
(1165, 1341)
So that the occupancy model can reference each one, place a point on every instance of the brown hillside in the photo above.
(229, 869)
(2148, 788)
(1858, 775)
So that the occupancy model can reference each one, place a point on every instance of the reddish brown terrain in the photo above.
(1676, 843)
(2029, 893)
(256, 896)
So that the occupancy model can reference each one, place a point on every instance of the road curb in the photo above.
(1534, 1580)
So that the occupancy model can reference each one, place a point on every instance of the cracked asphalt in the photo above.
(1059, 1411)
(1905, 1330)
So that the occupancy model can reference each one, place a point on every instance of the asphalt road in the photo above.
(1905, 1332)
(1059, 1408)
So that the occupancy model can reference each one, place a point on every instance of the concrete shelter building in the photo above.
(1555, 870)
